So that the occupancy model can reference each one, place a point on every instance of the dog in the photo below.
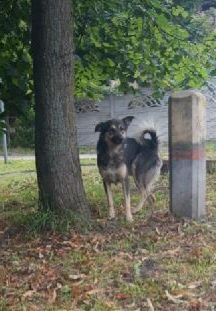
(113, 159)
(119, 156)
(147, 165)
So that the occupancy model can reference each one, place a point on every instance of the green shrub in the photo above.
(24, 130)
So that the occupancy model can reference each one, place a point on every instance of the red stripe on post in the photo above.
(195, 153)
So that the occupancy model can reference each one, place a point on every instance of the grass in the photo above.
(210, 150)
(17, 166)
(157, 262)
(18, 151)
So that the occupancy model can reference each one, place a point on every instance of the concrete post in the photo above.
(187, 134)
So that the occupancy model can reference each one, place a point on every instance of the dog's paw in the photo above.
(152, 198)
(112, 215)
(134, 210)
(129, 217)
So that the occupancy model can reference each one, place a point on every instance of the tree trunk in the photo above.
(57, 160)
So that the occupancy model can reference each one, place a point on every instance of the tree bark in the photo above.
(57, 159)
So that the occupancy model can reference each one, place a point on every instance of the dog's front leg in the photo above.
(126, 191)
(108, 191)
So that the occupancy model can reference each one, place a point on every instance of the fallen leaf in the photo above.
(196, 252)
(95, 247)
(174, 299)
(75, 277)
(121, 296)
(59, 285)
(151, 308)
(196, 305)
(28, 294)
(172, 252)
(33, 308)
(213, 283)
(194, 285)
(94, 291)
(52, 297)
(157, 231)
(183, 293)
(40, 255)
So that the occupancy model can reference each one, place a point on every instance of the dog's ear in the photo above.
(99, 127)
(127, 120)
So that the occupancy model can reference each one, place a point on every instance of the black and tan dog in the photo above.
(146, 166)
(119, 156)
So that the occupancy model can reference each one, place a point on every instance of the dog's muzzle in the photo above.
(117, 140)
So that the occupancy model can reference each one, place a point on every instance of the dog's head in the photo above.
(115, 130)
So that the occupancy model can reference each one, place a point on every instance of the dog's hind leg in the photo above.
(143, 199)
(126, 191)
(152, 198)
(108, 191)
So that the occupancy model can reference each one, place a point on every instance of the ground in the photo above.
(157, 263)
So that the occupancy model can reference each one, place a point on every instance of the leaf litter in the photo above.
(157, 263)
(76, 270)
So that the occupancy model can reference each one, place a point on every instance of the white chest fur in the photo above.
(114, 175)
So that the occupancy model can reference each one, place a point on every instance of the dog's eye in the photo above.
(121, 129)
(111, 131)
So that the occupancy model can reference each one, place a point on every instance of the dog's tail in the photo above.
(146, 134)
(149, 137)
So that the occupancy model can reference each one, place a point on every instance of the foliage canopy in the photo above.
(162, 44)
(156, 44)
